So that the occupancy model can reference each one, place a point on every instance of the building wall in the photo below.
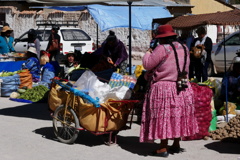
(208, 6)
(21, 22)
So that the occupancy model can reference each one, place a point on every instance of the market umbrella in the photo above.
(75, 2)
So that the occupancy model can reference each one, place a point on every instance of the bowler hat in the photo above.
(165, 31)
(71, 53)
(32, 50)
(6, 28)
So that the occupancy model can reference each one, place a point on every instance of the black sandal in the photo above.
(174, 149)
(161, 154)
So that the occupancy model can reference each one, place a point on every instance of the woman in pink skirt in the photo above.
(168, 110)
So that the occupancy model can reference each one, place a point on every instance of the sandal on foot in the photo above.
(173, 149)
(161, 154)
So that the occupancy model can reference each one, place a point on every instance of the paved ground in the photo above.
(27, 134)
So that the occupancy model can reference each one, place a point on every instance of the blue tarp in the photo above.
(11, 66)
(108, 17)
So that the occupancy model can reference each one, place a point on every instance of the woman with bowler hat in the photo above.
(168, 109)
(32, 64)
(33, 41)
(6, 41)
(70, 64)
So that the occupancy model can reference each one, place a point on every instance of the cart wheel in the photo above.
(65, 130)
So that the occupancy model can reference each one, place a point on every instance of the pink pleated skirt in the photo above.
(166, 113)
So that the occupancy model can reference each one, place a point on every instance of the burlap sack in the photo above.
(25, 79)
(56, 97)
(111, 116)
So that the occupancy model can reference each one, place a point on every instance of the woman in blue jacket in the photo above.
(6, 41)
(32, 64)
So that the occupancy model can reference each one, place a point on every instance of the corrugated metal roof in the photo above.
(165, 3)
(192, 21)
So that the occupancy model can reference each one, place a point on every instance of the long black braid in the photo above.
(176, 57)
(182, 75)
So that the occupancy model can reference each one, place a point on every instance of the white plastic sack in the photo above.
(89, 82)
(86, 80)
(119, 93)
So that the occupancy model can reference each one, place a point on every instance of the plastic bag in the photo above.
(86, 81)
(118, 93)
(90, 83)
(217, 87)
(231, 108)
(26, 79)
(213, 123)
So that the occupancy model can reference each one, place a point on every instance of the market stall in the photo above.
(117, 16)
(11, 62)
(192, 22)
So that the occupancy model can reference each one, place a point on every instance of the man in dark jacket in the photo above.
(199, 66)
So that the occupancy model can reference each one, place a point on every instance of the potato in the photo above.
(205, 137)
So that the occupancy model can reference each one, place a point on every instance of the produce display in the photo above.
(203, 113)
(13, 54)
(14, 95)
(208, 82)
(35, 94)
(231, 131)
(231, 108)
(6, 74)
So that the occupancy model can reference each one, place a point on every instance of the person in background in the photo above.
(33, 41)
(6, 41)
(47, 69)
(186, 38)
(70, 64)
(168, 109)
(32, 64)
(199, 66)
(154, 42)
(54, 35)
(113, 52)
(233, 82)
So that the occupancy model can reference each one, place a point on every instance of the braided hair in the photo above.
(170, 40)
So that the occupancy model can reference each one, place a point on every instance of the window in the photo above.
(234, 40)
(47, 34)
(40, 35)
(24, 37)
(74, 35)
